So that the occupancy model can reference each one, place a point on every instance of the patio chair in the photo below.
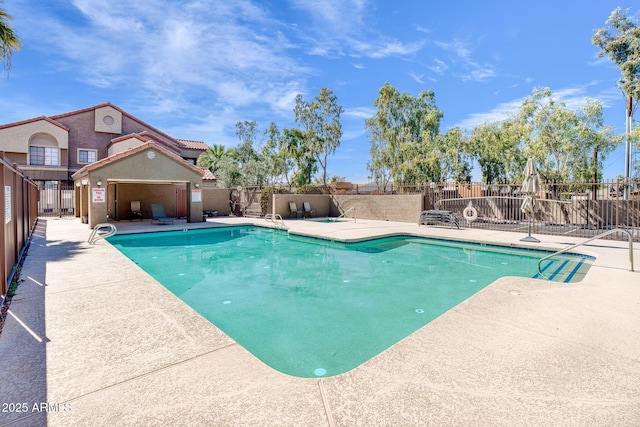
(308, 211)
(158, 213)
(293, 210)
(435, 216)
(136, 211)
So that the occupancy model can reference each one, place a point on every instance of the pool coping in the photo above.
(499, 357)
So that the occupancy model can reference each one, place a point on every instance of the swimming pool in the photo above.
(336, 219)
(310, 307)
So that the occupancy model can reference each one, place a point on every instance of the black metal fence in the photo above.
(56, 200)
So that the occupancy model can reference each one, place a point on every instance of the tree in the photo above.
(456, 160)
(273, 154)
(623, 48)
(562, 140)
(405, 137)
(321, 128)
(381, 160)
(9, 41)
(249, 160)
(498, 148)
(211, 158)
(242, 165)
(304, 163)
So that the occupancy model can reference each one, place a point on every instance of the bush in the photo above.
(309, 189)
(265, 196)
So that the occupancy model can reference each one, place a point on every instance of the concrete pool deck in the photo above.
(93, 340)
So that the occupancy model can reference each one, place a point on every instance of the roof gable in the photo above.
(34, 120)
(134, 151)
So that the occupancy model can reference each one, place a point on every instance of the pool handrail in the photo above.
(599, 236)
(276, 219)
(96, 234)
(352, 208)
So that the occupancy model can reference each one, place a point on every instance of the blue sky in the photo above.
(194, 68)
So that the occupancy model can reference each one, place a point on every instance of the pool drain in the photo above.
(320, 372)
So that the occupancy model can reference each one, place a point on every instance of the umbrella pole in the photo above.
(530, 238)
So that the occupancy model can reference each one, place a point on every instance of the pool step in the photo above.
(564, 270)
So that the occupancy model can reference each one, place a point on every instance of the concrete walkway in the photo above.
(93, 340)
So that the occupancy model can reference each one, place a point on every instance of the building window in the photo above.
(43, 156)
(87, 156)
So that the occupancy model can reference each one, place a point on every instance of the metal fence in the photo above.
(575, 209)
(18, 200)
(56, 200)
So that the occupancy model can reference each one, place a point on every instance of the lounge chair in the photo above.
(308, 212)
(293, 210)
(158, 213)
(136, 211)
(438, 217)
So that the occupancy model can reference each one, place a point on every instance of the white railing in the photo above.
(606, 233)
(276, 219)
(101, 231)
(352, 208)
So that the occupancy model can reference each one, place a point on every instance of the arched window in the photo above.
(43, 150)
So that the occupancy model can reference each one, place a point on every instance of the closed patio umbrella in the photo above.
(530, 186)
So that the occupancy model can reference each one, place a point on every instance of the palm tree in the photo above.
(210, 159)
(9, 41)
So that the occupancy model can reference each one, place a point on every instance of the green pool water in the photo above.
(309, 307)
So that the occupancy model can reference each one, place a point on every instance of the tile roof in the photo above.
(208, 175)
(35, 119)
(194, 145)
(145, 137)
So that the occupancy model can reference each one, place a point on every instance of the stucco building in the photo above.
(53, 148)
(107, 158)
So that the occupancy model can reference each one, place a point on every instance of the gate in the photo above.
(181, 202)
(56, 200)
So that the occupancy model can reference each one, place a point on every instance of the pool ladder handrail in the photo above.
(599, 236)
(352, 208)
(276, 219)
(97, 234)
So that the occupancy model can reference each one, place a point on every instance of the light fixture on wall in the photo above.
(84, 182)
(195, 184)
(99, 183)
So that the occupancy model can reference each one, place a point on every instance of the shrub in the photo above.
(309, 189)
(265, 196)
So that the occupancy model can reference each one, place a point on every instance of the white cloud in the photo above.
(340, 27)
(361, 113)
(166, 51)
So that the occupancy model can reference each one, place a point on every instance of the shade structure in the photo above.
(530, 186)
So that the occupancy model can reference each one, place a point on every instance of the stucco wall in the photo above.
(144, 167)
(108, 120)
(124, 145)
(216, 199)
(16, 138)
(320, 202)
(402, 208)
(146, 194)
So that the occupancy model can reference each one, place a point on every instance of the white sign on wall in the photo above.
(196, 195)
(7, 204)
(98, 195)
